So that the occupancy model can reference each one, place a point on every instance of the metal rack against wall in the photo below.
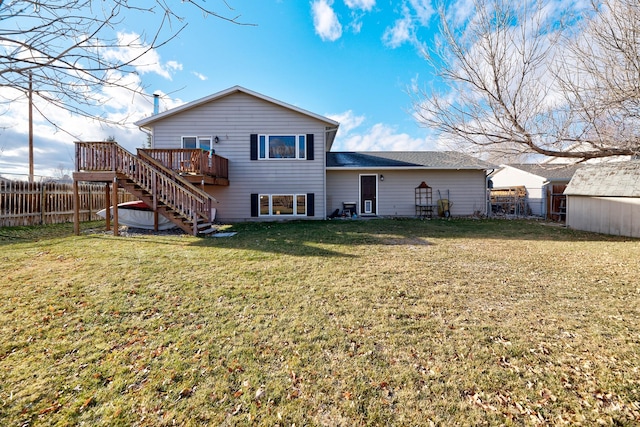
(424, 201)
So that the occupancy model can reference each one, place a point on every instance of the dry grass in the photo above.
(323, 323)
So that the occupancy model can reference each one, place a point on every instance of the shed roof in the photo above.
(404, 160)
(617, 179)
(549, 171)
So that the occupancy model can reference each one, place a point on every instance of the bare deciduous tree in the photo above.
(520, 79)
(68, 49)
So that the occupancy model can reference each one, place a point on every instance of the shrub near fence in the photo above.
(36, 203)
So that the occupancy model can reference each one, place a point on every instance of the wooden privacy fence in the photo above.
(36, 203)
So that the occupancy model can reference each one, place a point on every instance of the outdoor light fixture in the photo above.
(216, 139)
(381, 177)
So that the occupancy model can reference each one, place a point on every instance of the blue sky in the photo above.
(351, 60)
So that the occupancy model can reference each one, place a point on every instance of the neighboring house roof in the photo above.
(404, 160)
(550, 172)
(616, 179)
(235, 89)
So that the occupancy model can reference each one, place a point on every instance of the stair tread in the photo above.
(208, 231)
(201, 226)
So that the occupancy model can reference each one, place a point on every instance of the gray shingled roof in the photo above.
(619, 179)
(551, 172)
(405, 159)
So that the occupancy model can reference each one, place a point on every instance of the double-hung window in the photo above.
(193, 142)
(282, 147)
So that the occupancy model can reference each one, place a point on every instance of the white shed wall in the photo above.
(233, 119)
(618, 216)
(396, 194)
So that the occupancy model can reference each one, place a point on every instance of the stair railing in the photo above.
(164, 185)
(190, 160)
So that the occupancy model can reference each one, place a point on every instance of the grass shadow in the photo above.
(317, 238)
(325, 238)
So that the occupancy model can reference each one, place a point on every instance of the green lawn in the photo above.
(382, 322)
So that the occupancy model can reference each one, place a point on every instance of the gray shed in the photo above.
(605, 198)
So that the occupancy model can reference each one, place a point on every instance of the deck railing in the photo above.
(196, 161)
(161, 183)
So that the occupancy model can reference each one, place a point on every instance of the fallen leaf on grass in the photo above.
(50, 409)
(157, 352)
(294, 394)
(235, 367)
(295, 379)
(86, 403)
(186, 392)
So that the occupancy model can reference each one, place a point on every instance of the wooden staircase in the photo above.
(161, 188)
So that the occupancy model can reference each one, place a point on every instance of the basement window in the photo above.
(283, 204)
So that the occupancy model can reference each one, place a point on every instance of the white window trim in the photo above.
(295, 205)
(198, 139)
(299, 154)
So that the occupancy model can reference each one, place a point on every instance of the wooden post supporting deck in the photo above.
(107, 203)
(114, 203)
(76, 208)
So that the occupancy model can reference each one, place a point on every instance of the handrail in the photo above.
(190, 160)
(173, 174)
(163, 184)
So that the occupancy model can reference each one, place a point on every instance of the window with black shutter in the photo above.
(311, 204)
(254, 146)
(310, 146)
(254, 204)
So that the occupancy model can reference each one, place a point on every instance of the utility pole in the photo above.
(30, 95)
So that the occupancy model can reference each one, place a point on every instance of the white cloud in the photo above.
(54, 148)
(173, 66)
(140, 57)
(356, 26)
(365, 5)
(201, 76)
(348, 121)
(358, 8)
(415, 13)
(325, 20)
(382, 137)
(379, 137)
(400, 33)
(461, 11)
(423, 10)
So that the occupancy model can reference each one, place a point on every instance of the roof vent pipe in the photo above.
(156, 103)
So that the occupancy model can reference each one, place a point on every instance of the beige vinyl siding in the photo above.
(233, 119)
(396, 194)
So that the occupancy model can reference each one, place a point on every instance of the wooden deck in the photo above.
(196, 166)
(163, 179)
(96, 161)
